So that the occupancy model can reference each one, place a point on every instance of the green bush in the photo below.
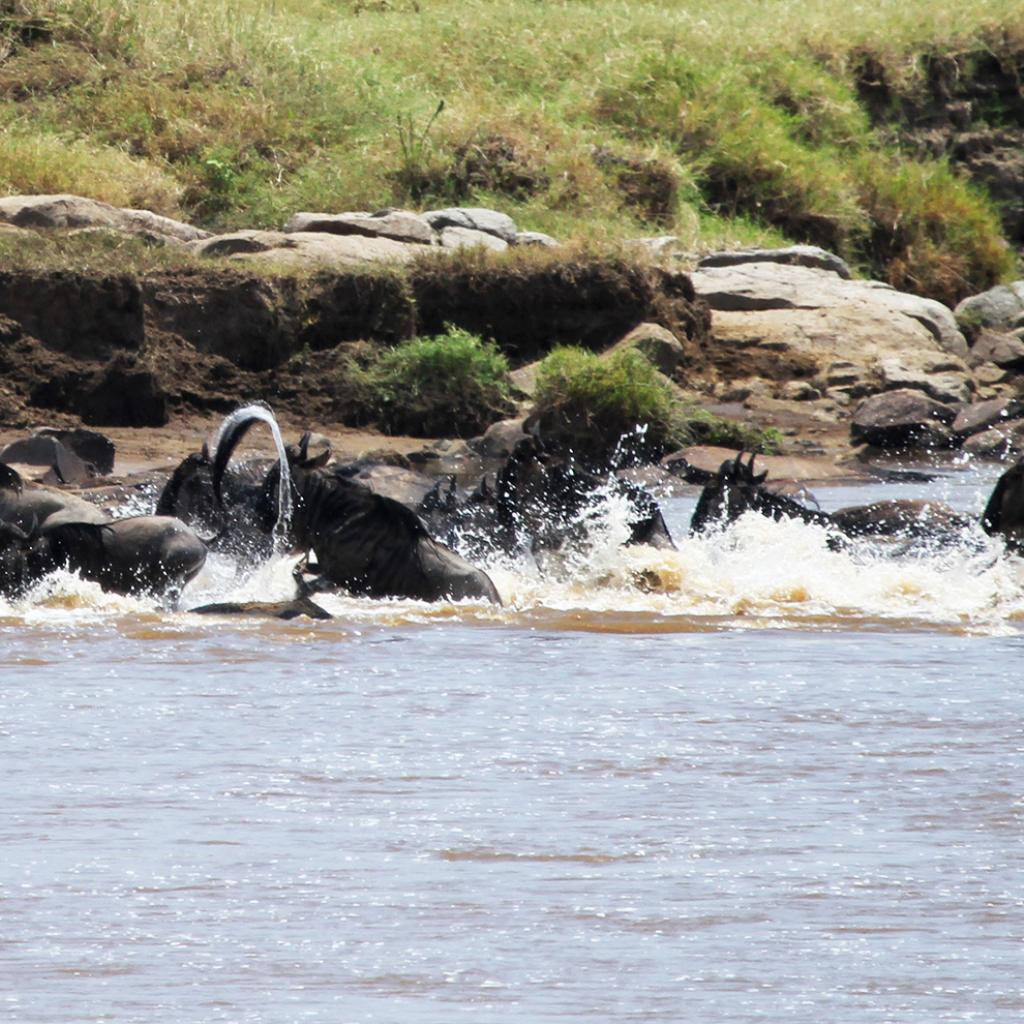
(450, 384)
(620, 406)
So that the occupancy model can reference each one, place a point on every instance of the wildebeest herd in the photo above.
(352, 539)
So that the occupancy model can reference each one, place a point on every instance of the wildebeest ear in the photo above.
(10, 479)
(205, 451)
(304, 446)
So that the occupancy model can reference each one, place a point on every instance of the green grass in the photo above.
(598, 406)
(449, 384)
(594, 120)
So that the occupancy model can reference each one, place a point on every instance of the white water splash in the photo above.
(263, 413)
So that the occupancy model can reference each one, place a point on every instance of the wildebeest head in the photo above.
(736, 489)
(1004, 513)
(16, 555)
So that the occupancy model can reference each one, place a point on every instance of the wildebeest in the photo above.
(364, 542)
(188, 495)
(28, 507)
(736, 489)
(155, 555)
(541, 500)
(1004, 513)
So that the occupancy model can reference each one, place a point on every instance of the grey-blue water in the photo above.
(796, 797)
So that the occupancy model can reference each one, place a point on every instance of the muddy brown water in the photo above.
(783, 785)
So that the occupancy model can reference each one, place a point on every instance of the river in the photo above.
(778, 783)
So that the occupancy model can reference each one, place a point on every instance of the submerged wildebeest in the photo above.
(364, 542)
(541, 500)
(736, 489)
(140, 554)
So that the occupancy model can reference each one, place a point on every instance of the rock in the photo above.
(537, 238)
(988, 374)
(902, 419)
(68, 211)
(799, 391)
(793, 255)
(404, 485)
(1002, 442)
(943, 381)
(524, 379)
(819, 312)
(467, 238)
(657, 246)
(400, 225)
(475, 219)
(89, 445)
(305, 248)
(299, 607)
(997, 308)
(64, 465)
(979, 416)
(499, 439)
(658, 345)
(1004, 349)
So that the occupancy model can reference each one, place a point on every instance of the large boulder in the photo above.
(1004, 349)
(399, 225)
(881, 338)
(980, 416)
(902, 420)
(475, 218)
(305, 248)
(71, 212)
(794, 255)
(999, 308)
(658, 345)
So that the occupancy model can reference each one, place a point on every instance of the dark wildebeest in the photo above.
(542, 501)
(364, 542)
(188, 495)
(1004, 513)
(736, 489)
(28, 507)
(141, 554)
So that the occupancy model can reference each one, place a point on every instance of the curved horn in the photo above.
(304, 446)
(10, 479)
(227, 441)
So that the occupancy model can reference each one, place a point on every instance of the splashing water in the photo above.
(263, 413)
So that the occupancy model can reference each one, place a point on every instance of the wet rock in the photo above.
(998, 308)
(794, 255)
(474, 218)
(69, 211)
(64, 465)
(468, 238)
(658, 345)
(1004, 349)
(901, 420)
(979, 416)
(399, 225)
(89, 445)
(407, 486)
(999, 442)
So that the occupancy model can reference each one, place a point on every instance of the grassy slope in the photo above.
(724, 123)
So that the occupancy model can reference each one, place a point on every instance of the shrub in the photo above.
(449, 384)
(619, 407)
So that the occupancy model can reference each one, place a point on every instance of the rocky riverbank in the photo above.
(783, 338)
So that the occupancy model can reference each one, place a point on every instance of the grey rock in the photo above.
(537, 238)
(400, 225)
(999, 307)
(475, 218)
(89, 445)
(305, 248)
(1004, 441)
(901, 420)
(794, 255)
(979, 416)
(659, 346)
(468, 238)
(942, 381)
(1004, 349)
(799, 391)
(69, 211)
(499, 439)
